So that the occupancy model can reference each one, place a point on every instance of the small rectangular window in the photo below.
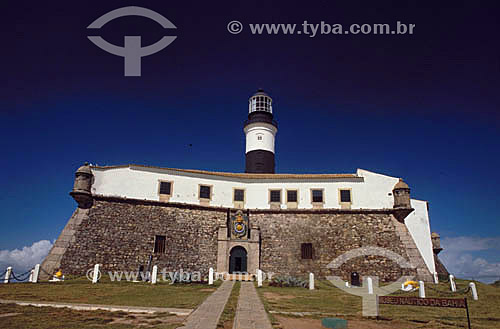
(317, 195)
(204, 192)
(275, 196)
(291, 196)
(165, 188)
(306, 250)
(239, 195)
(345, 196)
(160, 244)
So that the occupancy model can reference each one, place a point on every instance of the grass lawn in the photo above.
(329, 300)
(14, 316)
(326, 300)
(227, 317)
(80, 290)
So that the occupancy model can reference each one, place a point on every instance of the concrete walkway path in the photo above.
(250, 313)
(110, 308)
(207, 315)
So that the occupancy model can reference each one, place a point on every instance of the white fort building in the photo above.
(286, 223)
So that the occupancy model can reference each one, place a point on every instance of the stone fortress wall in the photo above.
(119, 234)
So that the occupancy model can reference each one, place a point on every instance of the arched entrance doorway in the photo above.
(238, 260)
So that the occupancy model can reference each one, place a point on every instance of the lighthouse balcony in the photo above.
(258, 118)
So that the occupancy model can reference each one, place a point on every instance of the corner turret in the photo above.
(81, 189)
(402, 204)
(401, 192)
(436, 243)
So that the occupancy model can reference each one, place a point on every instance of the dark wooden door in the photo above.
(238, 260)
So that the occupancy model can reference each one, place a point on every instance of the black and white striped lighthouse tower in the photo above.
(260, 131)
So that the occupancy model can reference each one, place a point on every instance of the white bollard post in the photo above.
(421, 289)
(211, 276)
(347, 284)
(453, 285)
(369, 283)
(95, 277)
(36, 273)
(7, 274)
(472, 286)
(311, 281)
(259, 278)
(154, 275)
(436, 279)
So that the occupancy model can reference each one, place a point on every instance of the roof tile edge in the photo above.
(229, 174)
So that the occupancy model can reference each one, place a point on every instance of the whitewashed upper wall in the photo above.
(419, 226)
(369, 190)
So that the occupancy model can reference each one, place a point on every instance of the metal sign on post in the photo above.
(433, 302)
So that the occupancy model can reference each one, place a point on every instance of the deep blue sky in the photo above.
(424, 106)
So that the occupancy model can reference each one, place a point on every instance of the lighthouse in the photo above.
(260, 131)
